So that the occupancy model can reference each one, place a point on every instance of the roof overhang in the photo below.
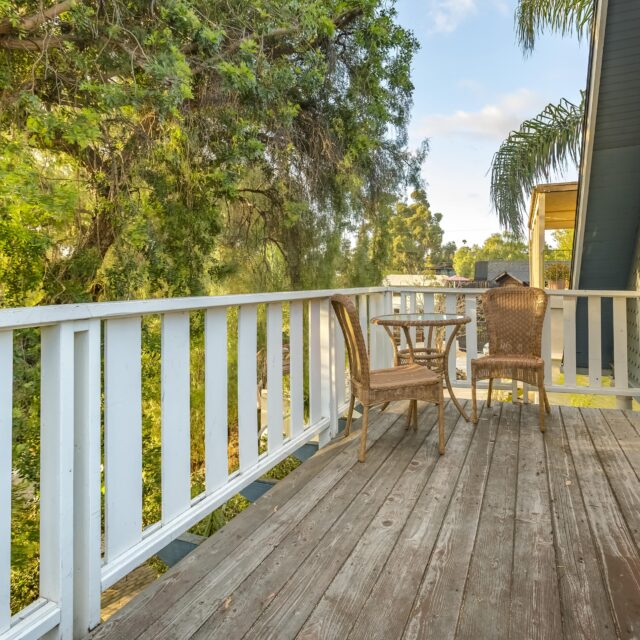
(560, 201)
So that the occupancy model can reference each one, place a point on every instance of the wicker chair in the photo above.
(409, 382)
(514, 317)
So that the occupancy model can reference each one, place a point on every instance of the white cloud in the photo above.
(494, 121)
(448, 14)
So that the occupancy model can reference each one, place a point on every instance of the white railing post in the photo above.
(329, 407)
(6, 424)
(87, 480)
(56, 473)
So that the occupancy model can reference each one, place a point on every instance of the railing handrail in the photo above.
(41, 316)
(568, 293)
(91, 402)
(44, 315)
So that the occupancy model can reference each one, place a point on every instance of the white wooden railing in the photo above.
(91, 409)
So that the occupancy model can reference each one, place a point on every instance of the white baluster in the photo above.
(471, 332)
(122, 436)
(595, 341)
(569, 336)
(6, 423)
(315, 389)
(247, 386)
(176, 415)
(216, 435)
(275, 413)
(364, 317)
(296, 370)
(620, 351)
(327, 372)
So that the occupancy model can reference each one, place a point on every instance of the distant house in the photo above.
(500, 272)
(506, 279)
(445, 269)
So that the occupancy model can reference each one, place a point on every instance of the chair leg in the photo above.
(474, 404)
(409, 415)
(347, 429)
(541, 401)
(441, 443)
(546, 401)
(490, 390)
(415, 415)
(363, 434)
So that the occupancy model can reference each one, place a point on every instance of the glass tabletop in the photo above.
(421, 318)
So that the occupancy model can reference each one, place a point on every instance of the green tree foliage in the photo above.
(184, 147)
(406, 237)
(187, 129)
(534, 17)
(498, 246)
(416, 237)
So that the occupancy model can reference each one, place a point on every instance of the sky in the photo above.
(472, 86)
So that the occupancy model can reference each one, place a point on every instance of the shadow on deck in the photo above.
(511, 534)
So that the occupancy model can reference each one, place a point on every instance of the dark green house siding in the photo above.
(613, 206)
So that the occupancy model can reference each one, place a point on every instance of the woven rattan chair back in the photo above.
(514, 317)
(354, 340)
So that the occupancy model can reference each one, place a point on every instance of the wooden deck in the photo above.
(511, 534)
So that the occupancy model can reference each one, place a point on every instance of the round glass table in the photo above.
(432, 354)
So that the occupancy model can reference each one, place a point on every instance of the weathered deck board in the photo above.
(355, 500)
(627, 437)
(488, 592)
(372, 550)
(389, 605)
(535, 600)
(164, 594)
(510, 534)
(618, 556)
(586, 610)
(334, 615)
(184, 620)
(437, 605)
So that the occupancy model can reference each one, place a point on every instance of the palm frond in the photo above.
(540, 147)
(533, 17)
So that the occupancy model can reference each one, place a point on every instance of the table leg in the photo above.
(445, 367)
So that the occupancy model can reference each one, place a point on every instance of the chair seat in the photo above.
(502, 361)
(410, 375)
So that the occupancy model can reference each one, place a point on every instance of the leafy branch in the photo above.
(563, 16)
(540, 147)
